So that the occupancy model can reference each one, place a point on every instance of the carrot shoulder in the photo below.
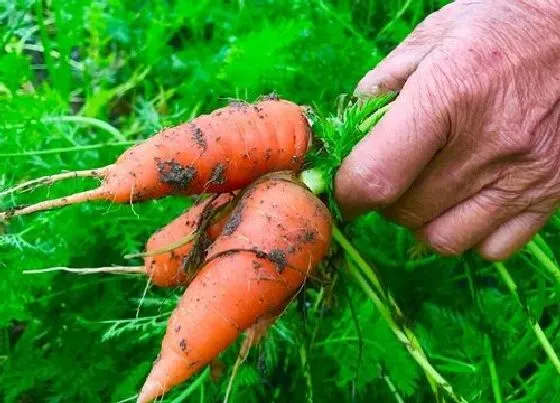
(273, 240)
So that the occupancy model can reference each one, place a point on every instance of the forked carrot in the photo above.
(273, 240)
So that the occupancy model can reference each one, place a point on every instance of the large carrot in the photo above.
(273, 240)
(175, 252)
(216, 153)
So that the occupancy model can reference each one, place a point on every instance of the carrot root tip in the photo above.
(150, 391)
(50, 179)
(89, 195)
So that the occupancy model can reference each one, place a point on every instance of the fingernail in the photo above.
(367, 92)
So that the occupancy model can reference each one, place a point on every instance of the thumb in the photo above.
(387, 161)
(391, 73)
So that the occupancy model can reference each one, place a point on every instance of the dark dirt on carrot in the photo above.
(173, 173)
(233, 221)
(198, 136)
(218, 175)
(192, 232)
(238, 104)
(279, 258)
(309, 236)
(197, 254)
(271, 97)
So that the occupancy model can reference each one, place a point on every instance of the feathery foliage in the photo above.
(82, 80)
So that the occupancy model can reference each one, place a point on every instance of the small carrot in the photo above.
(173, 253)
(176, 267)
(273, 240)
(216, 153)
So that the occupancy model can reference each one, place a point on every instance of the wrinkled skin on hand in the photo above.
(469, 153)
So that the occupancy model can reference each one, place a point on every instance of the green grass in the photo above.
(81, 80)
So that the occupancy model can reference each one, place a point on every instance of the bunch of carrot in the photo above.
(246, 157)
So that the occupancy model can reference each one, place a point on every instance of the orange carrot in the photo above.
(177, 266)
(216, 153)
(273, 240)
(175, 252)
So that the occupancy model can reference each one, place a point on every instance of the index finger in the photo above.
(388, 160)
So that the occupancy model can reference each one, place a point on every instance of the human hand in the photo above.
(468, 155)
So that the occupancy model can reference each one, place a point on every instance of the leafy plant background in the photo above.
(81, 80)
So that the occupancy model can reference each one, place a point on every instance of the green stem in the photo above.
(468, 367)
(548, 349)
(390, 385)
(495, 381)
(315, 180)
(547, 263)
(395, 18)
(418, 355)
(357, 258)
(202, 400)
(411, 264)
(45, 41)
(401, 245)
(91, 270)
(554, 220)
(339, 19)
(541, 336)
(372, 120)
(88, 121)
(306, 373)
(361, 270)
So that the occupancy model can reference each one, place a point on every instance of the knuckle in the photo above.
(367, 180)
(503, 198)
(515, 142)
(493, 198)
(380, 192)
(454, 85)
(366, 183)
(395, 80)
